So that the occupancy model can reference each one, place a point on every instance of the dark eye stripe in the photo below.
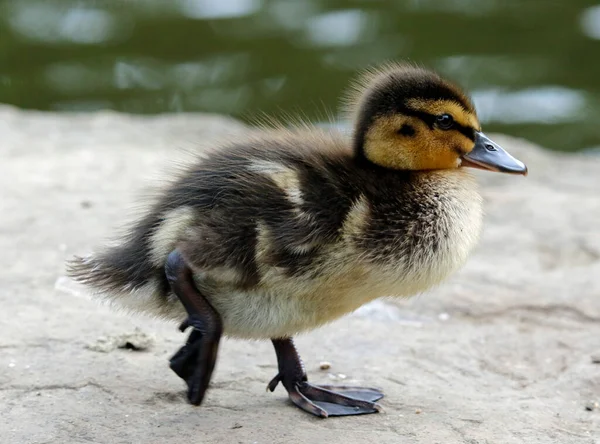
(464, 130)
(429, 119)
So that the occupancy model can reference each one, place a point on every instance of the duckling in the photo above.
(284, 231)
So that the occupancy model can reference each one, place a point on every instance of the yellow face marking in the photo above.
(438, 107)
(422, 149)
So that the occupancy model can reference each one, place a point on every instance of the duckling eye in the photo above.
(444, 121)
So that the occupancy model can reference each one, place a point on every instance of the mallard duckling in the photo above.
(286, 231)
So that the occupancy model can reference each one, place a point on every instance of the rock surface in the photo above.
(501, 353)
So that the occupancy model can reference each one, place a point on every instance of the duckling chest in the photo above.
(412, 243)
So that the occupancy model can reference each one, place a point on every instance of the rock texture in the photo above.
(502, 353)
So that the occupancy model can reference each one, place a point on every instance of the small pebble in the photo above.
(418, 411)
(324, 365)
(596, 359)
(592, 405)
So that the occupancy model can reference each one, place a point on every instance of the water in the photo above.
(532, 66)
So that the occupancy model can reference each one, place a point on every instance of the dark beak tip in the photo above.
(523, 171)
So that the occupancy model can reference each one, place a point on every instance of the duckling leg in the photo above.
(322, 400)
(195, 361)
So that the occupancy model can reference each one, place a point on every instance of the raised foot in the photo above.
(195, 361)
(327, 400)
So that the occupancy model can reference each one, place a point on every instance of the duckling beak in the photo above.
(488, 155)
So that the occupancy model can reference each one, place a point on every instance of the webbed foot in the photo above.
(323, 400)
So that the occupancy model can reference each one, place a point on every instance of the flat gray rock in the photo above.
(504, 352)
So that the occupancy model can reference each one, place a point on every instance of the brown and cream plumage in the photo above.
(282, 232)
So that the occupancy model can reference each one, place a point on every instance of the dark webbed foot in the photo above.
(195, 361)
(322, 401)
(325, 401)
(183, 363)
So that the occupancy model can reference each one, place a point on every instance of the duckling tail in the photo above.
(126, 277)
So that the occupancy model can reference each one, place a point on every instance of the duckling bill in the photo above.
(282, 232)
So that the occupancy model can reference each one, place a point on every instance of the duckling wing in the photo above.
(256, 208)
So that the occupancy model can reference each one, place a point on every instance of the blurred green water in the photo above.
(533, 66)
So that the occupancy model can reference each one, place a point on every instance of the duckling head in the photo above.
(410, 118)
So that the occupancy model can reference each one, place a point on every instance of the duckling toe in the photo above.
(339, 402)
(183, 362)
(370, 394)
